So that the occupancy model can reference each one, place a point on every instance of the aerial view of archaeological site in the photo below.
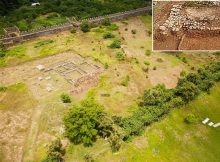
(109, 81)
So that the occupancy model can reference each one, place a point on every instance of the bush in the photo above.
(108, 35)
(190, 119)
(184, 60)
(145, 69)
(42, 43)
(112, 27)
(23, 25)
(106, 21)
(88, 158)
(115, 142)
(133, 31)
(183, 73)
(154, 68)
(106, 65)
(85, 26)
(115, 44)
(65, 98)
(55, 152)
(147, 52)
(73, 30)
(187, 90)
(3, 89)
(120, 56)
(2, 50)
(125, 81)
(146, 63)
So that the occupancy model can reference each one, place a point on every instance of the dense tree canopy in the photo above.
(85, 122)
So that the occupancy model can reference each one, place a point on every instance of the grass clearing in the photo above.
(171, 138)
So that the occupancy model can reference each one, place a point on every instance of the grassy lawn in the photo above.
(171, 139)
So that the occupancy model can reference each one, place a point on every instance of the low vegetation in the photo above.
(65, 98)
(120, 56)
(115, 44)
(55, 152)
(108, 35)
(159, 100)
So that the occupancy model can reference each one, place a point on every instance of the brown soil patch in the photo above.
(195, 39)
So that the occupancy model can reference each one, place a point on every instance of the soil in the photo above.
(193, 39)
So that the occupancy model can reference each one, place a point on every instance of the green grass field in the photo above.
(171, 139)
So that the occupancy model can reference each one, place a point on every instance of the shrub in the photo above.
(133, 31)
(145, 69)
(108, 35)
(106, 65)
(115, 44)
(190, 119)
(55, 152)
(23, 25)
(2, 50)
(3, 89)
(154, 68)
(120, 56)
(115, 142)
(184, 60)
(65, 98)
(125, 81)
(146, 63)
(187, 90)
(73, 30)
(88, 158)
(106, 21)
(147, 52)
(183, 73)
(112, 27)
(85, 26)
(42, 43)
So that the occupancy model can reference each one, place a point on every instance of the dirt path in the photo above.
(32, 136)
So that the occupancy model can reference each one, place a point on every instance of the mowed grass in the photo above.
(171, 139)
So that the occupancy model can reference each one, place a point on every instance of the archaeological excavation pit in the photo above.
(186, 26)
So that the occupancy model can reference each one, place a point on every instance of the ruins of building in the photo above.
(12, 31)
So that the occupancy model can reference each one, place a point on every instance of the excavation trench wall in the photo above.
(25, 36)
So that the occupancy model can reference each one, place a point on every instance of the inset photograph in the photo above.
(186, 25)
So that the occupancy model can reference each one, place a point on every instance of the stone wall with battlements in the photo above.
(29, 35)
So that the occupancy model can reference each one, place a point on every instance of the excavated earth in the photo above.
(178, 26)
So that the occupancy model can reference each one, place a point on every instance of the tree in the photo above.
(55, 152)
(156, 96)
(187, 90)
(115, 142)
(85, 27)
(85, 122)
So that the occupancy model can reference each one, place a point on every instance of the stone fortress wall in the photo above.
(25, 36)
